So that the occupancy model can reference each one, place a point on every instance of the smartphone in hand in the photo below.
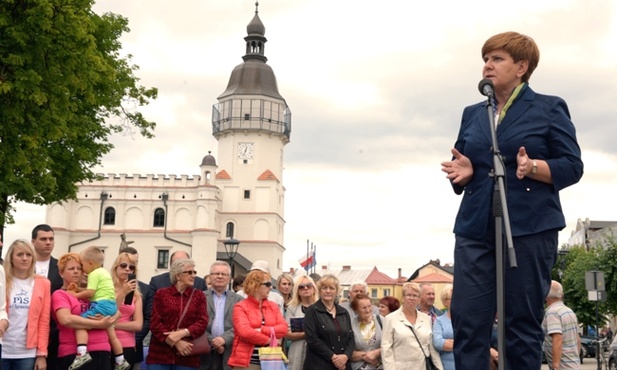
(129, 297)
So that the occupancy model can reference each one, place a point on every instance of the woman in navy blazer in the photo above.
(538, 142)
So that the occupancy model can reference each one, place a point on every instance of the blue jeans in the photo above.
(18, 363)
(169, 367)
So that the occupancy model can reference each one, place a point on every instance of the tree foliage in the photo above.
(61, 80)
(573, 267)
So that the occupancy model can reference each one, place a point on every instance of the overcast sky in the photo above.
(376, 90)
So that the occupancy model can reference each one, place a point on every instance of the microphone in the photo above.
(487, 88)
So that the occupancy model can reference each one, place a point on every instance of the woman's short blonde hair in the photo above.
(409, 287)
(520, 47)
(446, 293)
(329, 280)
(253, 281)
(123, 256)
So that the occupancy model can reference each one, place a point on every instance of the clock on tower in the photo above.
(246, 150)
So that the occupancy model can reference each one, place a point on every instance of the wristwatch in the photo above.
(534, 168)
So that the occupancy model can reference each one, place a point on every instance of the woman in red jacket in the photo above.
(254, 318)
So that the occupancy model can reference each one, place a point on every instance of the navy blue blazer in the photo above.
(542, 125)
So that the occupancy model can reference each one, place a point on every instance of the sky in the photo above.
(377, 91)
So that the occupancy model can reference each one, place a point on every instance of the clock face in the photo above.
(246, 150)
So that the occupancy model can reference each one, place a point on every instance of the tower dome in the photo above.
(208, 160)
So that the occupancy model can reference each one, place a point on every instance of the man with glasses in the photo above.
(220, 301)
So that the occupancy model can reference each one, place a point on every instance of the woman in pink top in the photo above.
(66, 310)
(28, 302)
(131, 315)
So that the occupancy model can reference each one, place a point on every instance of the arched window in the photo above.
(159, 217)
(230, 230)
(109, 218)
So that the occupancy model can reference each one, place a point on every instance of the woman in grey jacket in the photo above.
(367, 335)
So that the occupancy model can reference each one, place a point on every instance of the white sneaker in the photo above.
(80, 361)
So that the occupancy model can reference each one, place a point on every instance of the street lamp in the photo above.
(231, 248)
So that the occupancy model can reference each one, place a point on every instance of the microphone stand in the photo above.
(502, 218)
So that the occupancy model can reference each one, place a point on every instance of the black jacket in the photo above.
(325, 338)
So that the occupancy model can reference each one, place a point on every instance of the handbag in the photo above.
(428, 360)
(272, 356)
(201, 344)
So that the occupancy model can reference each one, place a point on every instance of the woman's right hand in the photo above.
(104, 322)
(459, 170)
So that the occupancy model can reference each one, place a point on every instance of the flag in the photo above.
(309, 261)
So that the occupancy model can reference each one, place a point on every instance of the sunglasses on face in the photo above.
(305, 286)
(268, 284)
(190, 272)
(125, 265)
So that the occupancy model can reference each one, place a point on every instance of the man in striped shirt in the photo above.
(561, 342)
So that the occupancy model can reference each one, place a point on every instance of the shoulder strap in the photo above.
(418, 340)
(185, 309)
(379, 321)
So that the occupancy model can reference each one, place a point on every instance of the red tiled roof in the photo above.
(379, 278)
(223, 175)
(433, 278)
(267, 175)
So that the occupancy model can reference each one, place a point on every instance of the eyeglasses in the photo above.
(267, 283)
(413, 296)
(124, 265)
(219, 274)
(190, 272)
(305, 286)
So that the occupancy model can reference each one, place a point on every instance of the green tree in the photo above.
(64, 89)
(607, 255)
(578, 262)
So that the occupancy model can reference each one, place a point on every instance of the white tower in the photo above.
(252, 124)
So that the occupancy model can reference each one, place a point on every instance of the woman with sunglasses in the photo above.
(303, 295)
(178, 313)
(254, 319)
(129, 301)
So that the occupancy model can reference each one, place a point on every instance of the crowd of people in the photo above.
(72, 313)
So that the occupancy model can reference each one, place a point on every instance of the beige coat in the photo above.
(399, 347)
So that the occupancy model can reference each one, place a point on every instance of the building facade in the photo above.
(242, 197)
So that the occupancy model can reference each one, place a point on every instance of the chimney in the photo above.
(324, 267)
(292, 270)
(347, 268)
(400, 272)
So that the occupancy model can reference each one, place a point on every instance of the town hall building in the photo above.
(238, 194)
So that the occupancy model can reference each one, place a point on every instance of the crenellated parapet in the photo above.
(148, 180)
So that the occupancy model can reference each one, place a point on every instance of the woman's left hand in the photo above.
(523, 163)
(184, 348)
(40, 363)
(372, 357)
(340, 361)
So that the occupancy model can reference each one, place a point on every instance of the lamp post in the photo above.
(231, 248)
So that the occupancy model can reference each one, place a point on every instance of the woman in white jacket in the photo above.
(407, 335)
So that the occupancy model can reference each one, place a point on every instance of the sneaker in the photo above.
(80, 361)
(123, 366)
